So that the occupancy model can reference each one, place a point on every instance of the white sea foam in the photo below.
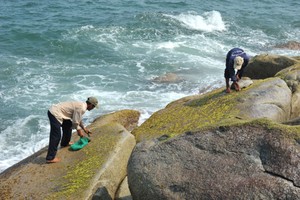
(18, 141)
(140, 67)
(168, 45)
(209, 21)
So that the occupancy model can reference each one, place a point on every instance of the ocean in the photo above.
(54, 51)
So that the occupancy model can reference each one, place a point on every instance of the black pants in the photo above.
(230, 73)
(55, 135)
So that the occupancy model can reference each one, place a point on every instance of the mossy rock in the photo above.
(127, 118)
(190, 113)
(80, 173)
(218, 108)
(267, 65)
(257, 159)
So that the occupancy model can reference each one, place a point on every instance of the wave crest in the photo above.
(208, 22)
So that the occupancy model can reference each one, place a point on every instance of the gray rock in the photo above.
(168, 78)
(123, 192)
(266, 65)
(291, 76)
(293, 122)
(101, 194)
(241, 162)
(271, 99)
(243, 83)
(292, 45)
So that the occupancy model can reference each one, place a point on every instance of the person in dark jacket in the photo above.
(236, 62)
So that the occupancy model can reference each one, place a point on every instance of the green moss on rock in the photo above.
(81, 174)
(197, 112)
(188, 114)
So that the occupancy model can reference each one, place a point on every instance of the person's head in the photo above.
(238, 62)
(91, 102)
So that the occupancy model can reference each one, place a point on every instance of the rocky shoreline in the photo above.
(243, 145)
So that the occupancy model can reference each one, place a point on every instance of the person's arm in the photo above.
(87, 131)
(238, 75)
(77, 122)
(227, 85)
(80, 133)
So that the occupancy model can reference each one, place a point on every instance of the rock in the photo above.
(123, 192)
(101, 194)
(292, 45)
(243, 83)
(255, 160)
(127, 118)
(295, 109)
(270, 99)
(114, 170)
(267, 65)
(100, 164)
(291, 76)
(168, 78)
(293, 122)
(223, 146)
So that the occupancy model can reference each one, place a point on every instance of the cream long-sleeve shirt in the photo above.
(70, 111)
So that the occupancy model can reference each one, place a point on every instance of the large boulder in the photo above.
(267, 65)
(207, 146)
(291, 76)
(97, 169)
(255, 160)
(293, 122)
(270, 98)
(286, 68)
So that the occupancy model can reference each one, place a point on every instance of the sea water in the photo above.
(54, 51)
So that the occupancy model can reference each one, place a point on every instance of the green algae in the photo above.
(288, 132)
(199, 111)
(81, 174)
(127, 118)
(195, 113)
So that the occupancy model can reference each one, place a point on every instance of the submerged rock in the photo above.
(168, 78)
(292, 45)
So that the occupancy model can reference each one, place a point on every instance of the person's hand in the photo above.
(86, 130)
(237, 77)
(80, 133)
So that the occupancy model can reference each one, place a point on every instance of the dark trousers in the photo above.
(230, 73)
(55, 135)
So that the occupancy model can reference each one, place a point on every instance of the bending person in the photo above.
(67, 115)
(236, 61)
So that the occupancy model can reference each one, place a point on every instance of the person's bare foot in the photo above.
(55, 160)
(228, 90)
(237, 87)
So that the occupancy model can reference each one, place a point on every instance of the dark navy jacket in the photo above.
(229, 71)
